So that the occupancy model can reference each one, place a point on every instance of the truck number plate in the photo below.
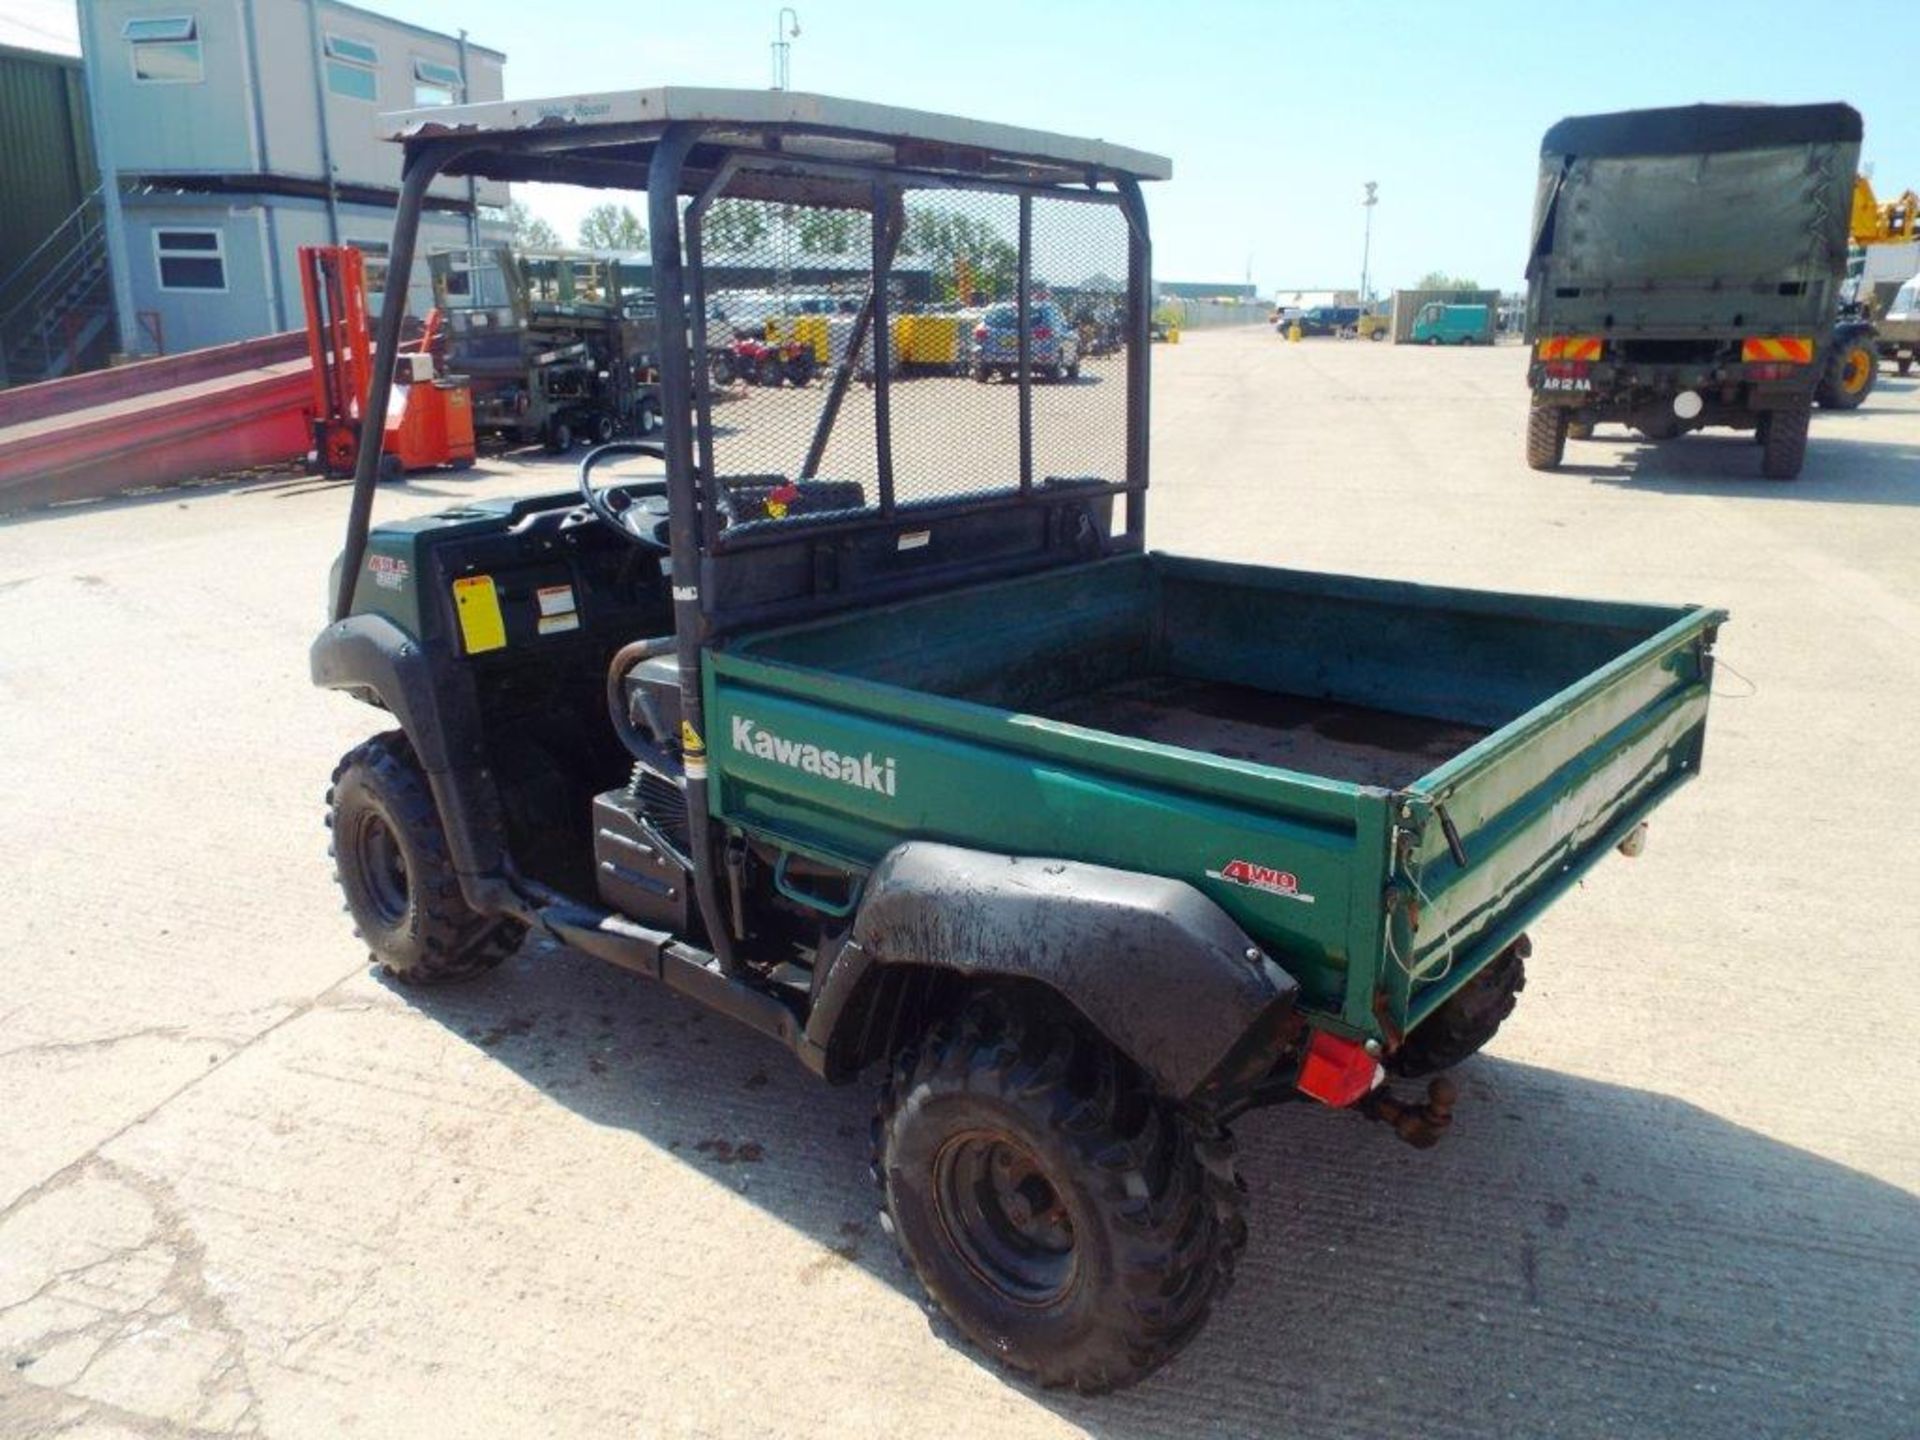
(1566, 382)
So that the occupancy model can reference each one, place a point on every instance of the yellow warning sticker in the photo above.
(482, 627)
(691, 744)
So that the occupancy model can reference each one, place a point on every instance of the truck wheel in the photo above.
(1784, 450)
(1546, 436)
(559, 437)
(390, 859)
(648, 415)
(1072, 1224)
(1849, 379)
(1468, 1020)
(603, 429)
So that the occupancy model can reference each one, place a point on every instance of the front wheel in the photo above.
(1850, 376)
(1074, 1225)
(390, 859)
(1471, 1016)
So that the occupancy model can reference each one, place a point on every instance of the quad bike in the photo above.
(762, 362)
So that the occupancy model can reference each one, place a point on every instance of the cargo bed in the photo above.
(1176, 716)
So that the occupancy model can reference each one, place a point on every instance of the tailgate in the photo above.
(1534, 805)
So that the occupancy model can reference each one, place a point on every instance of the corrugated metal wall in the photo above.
(49, 154)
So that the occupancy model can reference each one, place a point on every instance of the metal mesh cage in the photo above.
(825, 395)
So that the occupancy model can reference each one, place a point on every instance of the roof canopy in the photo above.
(607, 141)
(1702, 129)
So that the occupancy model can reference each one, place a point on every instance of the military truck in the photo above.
(1684, 272)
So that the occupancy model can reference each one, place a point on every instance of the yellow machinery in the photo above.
(1897, 222)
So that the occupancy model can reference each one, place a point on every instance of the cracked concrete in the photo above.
(248, 1189)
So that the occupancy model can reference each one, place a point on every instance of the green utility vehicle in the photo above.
(1439, 324)
(1685, 270)
(873, 723)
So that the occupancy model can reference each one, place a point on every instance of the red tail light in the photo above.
(1772, 372)
(1567, 369)
(979, 332)
(1043, 332)
(1337, 1072)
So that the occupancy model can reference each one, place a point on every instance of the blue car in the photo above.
(1053, 346)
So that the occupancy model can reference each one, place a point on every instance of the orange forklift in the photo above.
(429, 416)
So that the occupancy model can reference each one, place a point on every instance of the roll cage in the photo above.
(689, 150)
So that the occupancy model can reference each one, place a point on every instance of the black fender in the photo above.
(1155, 966)
(371, 657)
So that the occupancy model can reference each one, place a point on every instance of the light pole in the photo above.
(1366, 245)
(786, 28)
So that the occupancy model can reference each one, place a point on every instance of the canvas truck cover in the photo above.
(1694, 219)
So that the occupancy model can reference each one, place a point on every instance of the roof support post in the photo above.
(684, 520)
(422, 166)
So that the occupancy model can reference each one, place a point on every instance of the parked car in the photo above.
(1053, 347)
(1329, 319)
(1438, 324)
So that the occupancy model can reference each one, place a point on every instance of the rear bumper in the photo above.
(1730, 394)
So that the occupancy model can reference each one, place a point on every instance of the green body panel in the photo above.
(397, 562)
(1594, 712)
(1452, 324)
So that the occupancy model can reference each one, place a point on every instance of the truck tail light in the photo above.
(1569, 347)
(1794, 349)
(1772, 371)
(1567, 369)
(1337, 1072)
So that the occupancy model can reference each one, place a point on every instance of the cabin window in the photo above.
(352, 68)
(434, 83)
(166, 51)
(190, 259)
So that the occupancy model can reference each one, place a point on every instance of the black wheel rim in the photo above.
(382, 867)
(1004, 1216)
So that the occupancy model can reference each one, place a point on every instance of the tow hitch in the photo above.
(1421, 1126)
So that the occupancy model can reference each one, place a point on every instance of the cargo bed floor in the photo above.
(1315, 737)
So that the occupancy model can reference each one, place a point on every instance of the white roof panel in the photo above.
(847, 130)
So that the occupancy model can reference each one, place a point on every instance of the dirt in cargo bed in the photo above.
(1316, 737)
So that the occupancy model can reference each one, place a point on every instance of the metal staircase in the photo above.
(56, 307)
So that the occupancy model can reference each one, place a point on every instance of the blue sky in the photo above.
(1273, 113)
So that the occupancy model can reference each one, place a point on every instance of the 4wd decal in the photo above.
(1283, 883)
(863, 772)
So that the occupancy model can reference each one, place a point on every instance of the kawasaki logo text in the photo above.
(863, 772)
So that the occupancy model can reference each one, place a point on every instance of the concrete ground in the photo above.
(246, 1187)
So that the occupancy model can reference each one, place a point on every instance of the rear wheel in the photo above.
(1849, 379)
(391, 470)
(1075, 1226)
(647, 415)
(1377, 334)
(1469, 1019)
(603, 429)
(1433, 340)
(1546, 436)
(559, 437)
(1784, 441)
(800, 368)
(390, 859)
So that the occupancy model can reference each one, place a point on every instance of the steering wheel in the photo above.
(639, 523)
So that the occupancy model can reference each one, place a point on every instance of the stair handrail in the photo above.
(78, 213)
(87, 251)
